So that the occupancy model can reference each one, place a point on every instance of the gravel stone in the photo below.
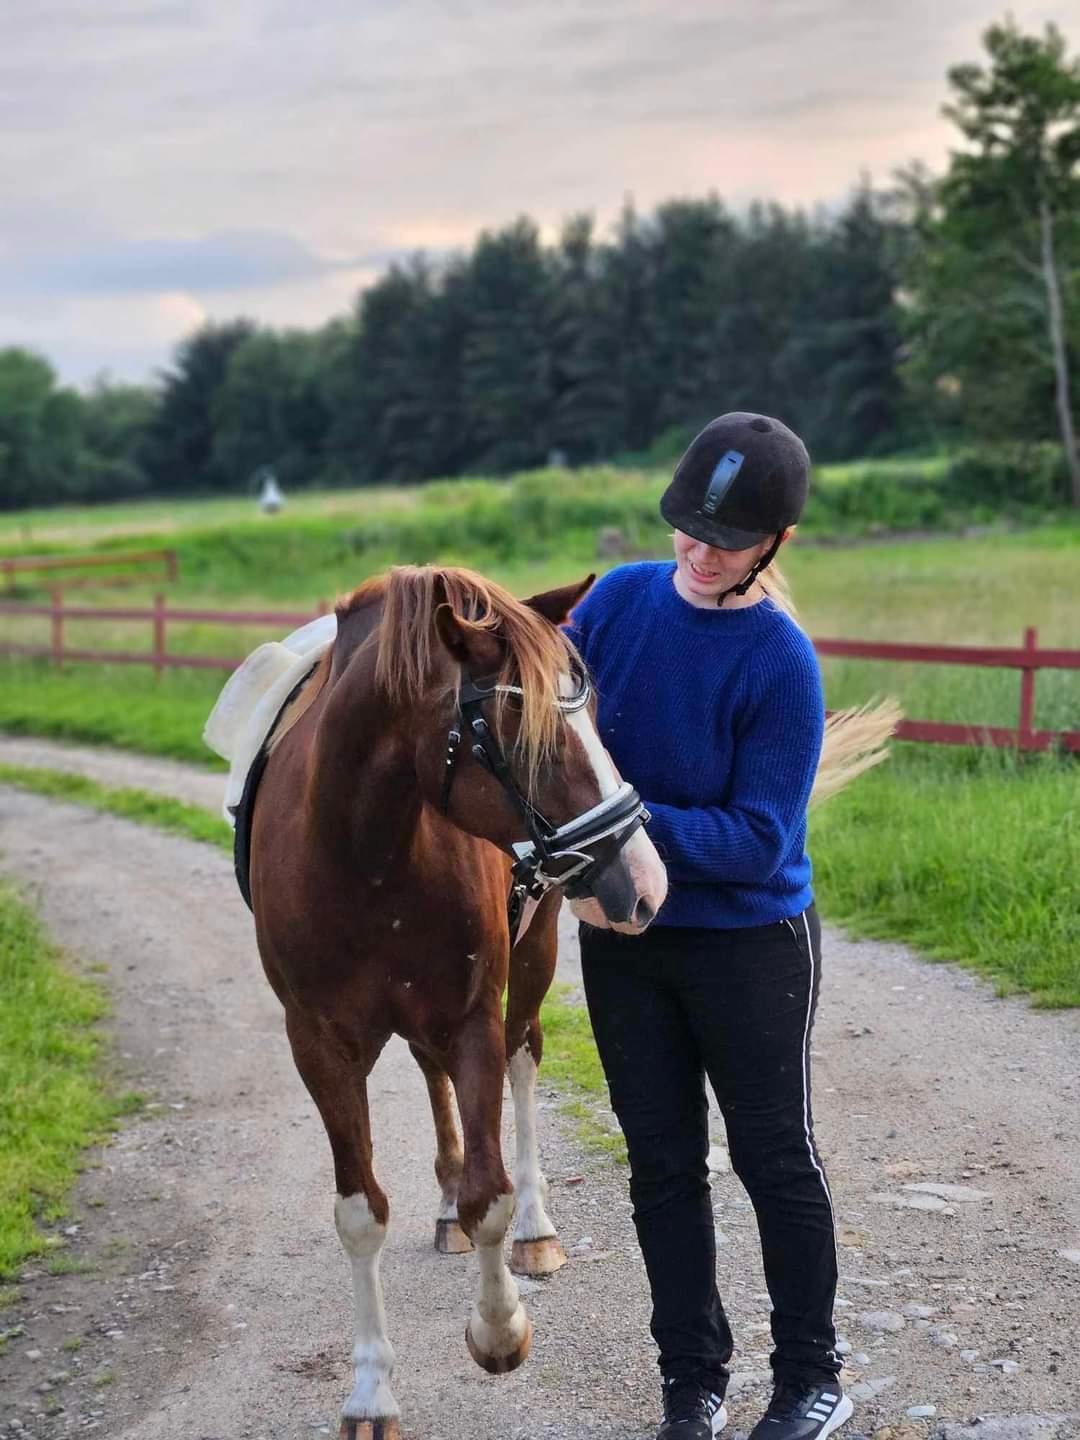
(882, 1320)
(246, 1187)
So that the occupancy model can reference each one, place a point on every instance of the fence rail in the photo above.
(12, 566)
(1028, 658)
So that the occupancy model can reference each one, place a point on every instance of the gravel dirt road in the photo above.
(216, 1301)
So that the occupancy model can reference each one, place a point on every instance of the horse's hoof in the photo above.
(537, 1257)
(387, 1429)
(500, 1364)
(450, 1238)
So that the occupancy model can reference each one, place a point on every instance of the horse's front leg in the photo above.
(338, 1085)
(536, 1249)
(499, 1333)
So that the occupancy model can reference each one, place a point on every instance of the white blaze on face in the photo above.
(646, 869)
(581, 723)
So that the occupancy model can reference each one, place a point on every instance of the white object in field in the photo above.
(253, 694)
(271, 496)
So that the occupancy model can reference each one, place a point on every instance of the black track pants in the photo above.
(668, 1008)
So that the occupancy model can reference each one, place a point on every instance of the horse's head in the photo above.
(506, 742)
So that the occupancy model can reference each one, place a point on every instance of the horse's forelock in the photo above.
(534, 652)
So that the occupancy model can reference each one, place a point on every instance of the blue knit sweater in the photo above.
(716, 717)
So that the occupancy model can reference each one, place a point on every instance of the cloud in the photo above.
(231, 260)
(270, 156)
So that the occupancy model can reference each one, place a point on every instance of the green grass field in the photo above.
(541, 529)
(53, 1100)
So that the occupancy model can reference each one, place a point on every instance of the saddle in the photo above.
(246, 718)
(243, 812)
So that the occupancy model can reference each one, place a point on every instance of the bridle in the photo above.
(567, 855)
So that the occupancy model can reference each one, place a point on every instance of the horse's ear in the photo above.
(555, 605)
(470, 645)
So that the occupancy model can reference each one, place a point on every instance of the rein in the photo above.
(566, 855)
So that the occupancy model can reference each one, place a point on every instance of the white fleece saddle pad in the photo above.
(254, 694)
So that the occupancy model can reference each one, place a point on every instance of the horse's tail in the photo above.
(855, 741)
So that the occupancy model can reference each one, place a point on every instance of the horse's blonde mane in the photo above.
(535, 653)
(855, 740)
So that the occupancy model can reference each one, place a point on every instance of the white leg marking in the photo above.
(499, 1323)
(373, 1356)
(531, 1221)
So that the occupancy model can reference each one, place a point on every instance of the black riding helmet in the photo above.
(744, 479)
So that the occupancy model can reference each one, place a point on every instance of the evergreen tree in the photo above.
(627, 307)
(586, 420)
(178, 451)
(506, 374)
(852, 399)
(40, 432)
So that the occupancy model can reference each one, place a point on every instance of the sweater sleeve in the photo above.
(747, 838)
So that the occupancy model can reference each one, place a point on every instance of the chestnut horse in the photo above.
(442, 757)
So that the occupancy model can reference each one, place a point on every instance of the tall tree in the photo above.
(506, 378)
(178, 453)
(993, 305)
(586, 397)
(40, 433)
(850, 336)
(115, 418)
(268, 410)
(628, 305)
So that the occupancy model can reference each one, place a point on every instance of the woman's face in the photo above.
(705, 571)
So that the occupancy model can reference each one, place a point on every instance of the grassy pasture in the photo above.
(926, 818)
(162, 520)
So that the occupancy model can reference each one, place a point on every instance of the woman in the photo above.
(711, 705)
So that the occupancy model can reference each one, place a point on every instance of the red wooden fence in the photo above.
(1028, 659)
(14, 565)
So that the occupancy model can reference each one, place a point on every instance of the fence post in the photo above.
(323, 608)
(171, 567)
(1027, 691)
(56, 621)
(159, 635)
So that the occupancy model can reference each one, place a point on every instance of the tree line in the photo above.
(943, 309)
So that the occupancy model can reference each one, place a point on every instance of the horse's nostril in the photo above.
(643, 913)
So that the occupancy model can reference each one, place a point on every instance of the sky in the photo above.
(166, 162)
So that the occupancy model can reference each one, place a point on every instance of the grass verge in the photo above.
(53, 1098)
(572, 1063)
(111, 706)
(142, 806)
(967, 855)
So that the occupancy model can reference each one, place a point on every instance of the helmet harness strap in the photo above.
(759, 565)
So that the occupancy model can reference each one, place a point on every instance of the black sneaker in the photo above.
(691, 1411)
(803, 1412)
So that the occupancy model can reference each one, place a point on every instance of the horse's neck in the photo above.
(363, 779)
